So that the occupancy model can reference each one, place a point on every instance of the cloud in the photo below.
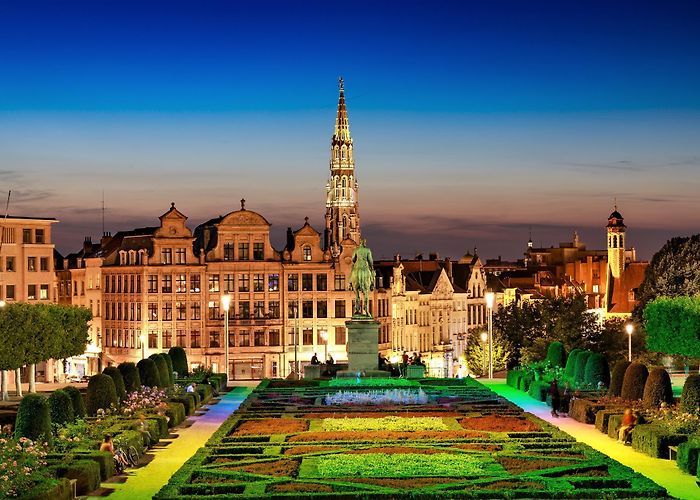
(621, 166)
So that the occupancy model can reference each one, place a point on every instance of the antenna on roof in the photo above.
(4, 219)
(103, 212)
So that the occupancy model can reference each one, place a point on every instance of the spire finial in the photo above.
(341, 84)
(172, 204)
(306, 220)
(242, 203)
(615, 203)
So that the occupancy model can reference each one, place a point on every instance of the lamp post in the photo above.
(324, 336)
(484, 339)
(296, 340)
(490, 296)
(226, 304)
(142, 338)
(629, 327)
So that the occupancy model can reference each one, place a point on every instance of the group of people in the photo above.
(315, 360)
(119, 458)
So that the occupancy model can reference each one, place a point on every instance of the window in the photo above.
(214, 339)
(292, 309)
(167, 312)
(10, 264)
(274, 337)
(152, 283)
(138, 310)
(26, 236)
(244, 283)
(195, 339)
(181, 308)
(166, 256)
(595, 288)
(229, 283)
(340, 335)
(181, 283)
(339, 308)
(180, 256)
(214, 310)
(138, 284)
(259, 309)
(39, 236)
(274, 308)
(152, 311)
(195, 283)
(228, 251)
(258, 282)
(308, 336)
(259, 338)
(243, 251)
(231, 339)
(167, 339)
(293, 283)
(44, 264)
(10, 292)
(258, 251)
(244, 310)
(321, 309)
(307, 309)
(43, 292)
(31, 264)
(31, 292)
(307, 252)
(243, 338)
(322, 282)
(167, 284)
(307, 282)
(213, 282)
(131, 285)
(181, 338)
(196, 310)
(340, 282)
(153, 339)
(273, 282)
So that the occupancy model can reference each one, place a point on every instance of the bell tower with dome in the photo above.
(616, 243)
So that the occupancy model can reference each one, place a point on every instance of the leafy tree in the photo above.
(477, 354)
(673, 325)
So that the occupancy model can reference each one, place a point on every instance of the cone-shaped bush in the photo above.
(169, 362)
(556, 354)
(130, 374)
(658, 388)
(179, 357)
(570, 368)
(61, 407)
(597, 370)
(118, 379)
(162, 369)
(101, 393)
(690, 397)
(148, 371)
(581, 360)
(634, 381)
(34, 419)
(617, 377)
(79, 410)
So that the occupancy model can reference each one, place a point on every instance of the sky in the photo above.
(474, 123)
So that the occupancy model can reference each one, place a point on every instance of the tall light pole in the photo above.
(142, 338)
(484, 339)
(490, 296)
(324, 336)
(226, 304)
(629, 327)
(296, 340)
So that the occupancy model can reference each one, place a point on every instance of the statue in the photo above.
(362, 278)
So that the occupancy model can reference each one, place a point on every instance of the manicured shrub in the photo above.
(118, 379)
(187, 402)
(79, 410)
(525, 381)
(101, 393)
(61, 407)
(556, 354)
(34, 419)
(538, 390)
(581, 360)
(148, 371)
(86, 473)
(597, 370)
(176, 412)
(584, 410)
(654, 440)
(570, 367)
(602, 418)
(158, 424)
(690, 397)
(205, 392)
(512, 378)
(687, 458)
(162, 366)
(130, 374)
(169, 362)
(617, 377)
(634, 381)
(658, 388)
(179, 358)
(104, 460)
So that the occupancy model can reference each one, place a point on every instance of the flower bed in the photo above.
(495, 423)
(397, 424)
(372, 382)
(384, 436)
(271, 426)
(389, 396)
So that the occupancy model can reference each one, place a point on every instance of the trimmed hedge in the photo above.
(187, 402)
(512, 378)
(634, 381)
(570, 367)
(162, 366)
(602, 418)
(687, 458)
(617, 378)
(205, 392)
(584, 410)
(538, 390)
(614, 422)
(61, 407)
(597, 370)
(34, 419)
(56, 489)
(101, 394)
(690, 397)
(176, 413)
(525, 381)
(86, 473)
(118, 379)
(79, 410)
(130, 374)
(658, 388)
(148, 371)
(556, 354)
(169, 362)
(103, 459)
(158, 424)
(131, 438)
(654, 440)
(179, 358)
(580, 370)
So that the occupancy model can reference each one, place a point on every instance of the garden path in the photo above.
(662, 472)
(146, 481)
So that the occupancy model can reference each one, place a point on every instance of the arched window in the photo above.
(307, 252)
(343, 152)
(344, 184)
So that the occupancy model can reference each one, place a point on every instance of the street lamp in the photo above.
(226, 304)
(484, 339)
(142, 338)
(324, 336)
(490, 296)
(629, 327)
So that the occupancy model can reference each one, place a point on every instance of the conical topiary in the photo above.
(658, 388)
(597, 370)
(634, 381)
(581, 360)
(179, 357)
(148, 371)
(101, 394)
(79, 409)
(556, 354)
(61, 407)
(162, 366)
(169, 362)
(130, 374)
(33, 419)
(118, 379)
(617, 377)
(690, 397)
(570, 368)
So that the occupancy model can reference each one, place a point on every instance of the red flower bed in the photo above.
(400, 450)
(384, 435)
(277, 468)
(516, 465)
(495, 423)
(268, 426)
(299, 487)
(301, 450)
(380, 414)
(490, 448)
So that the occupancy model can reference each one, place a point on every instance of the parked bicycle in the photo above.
(126, 457)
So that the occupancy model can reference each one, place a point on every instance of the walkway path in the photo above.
(146, 481)
(663, 472)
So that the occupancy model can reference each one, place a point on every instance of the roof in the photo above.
(620, 301)
(19, 217)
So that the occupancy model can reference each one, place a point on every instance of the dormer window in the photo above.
(307, 252)
(166, 255)
(132, 257)
(122, 258)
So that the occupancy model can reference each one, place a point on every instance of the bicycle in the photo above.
(129, 457)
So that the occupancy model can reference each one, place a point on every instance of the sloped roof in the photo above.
(619, 300)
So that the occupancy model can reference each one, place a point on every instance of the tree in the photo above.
(477, 355)
(556, 354)
(673, 325)
(13, 318)
(148, 372)
(33, 419)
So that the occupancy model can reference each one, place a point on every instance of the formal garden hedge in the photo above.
(101, 394)
(34, 419)
(179, 359)
(116, 375)
(79, 409)
(61, 407)
(658, 389)
(617, 378)
(634, 381)
(131, 377)
(148, 371)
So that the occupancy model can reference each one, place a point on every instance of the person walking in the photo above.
(556, 398)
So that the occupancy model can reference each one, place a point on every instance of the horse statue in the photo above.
(362, 278)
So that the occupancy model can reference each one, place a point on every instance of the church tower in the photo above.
(616, 243)
(342, 211)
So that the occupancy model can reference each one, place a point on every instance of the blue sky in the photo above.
(472, 120)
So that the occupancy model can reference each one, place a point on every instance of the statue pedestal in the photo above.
(363, 348)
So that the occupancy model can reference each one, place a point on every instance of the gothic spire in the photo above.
(342, 125)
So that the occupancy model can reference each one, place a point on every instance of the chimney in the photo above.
(433, 256)
(87, 245)
(106, 238)
(448, 269)
(290, 239)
